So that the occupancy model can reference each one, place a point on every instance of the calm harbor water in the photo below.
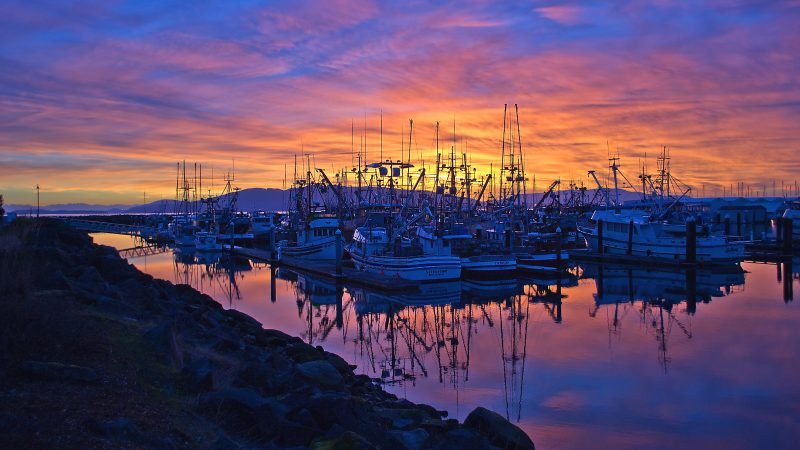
(612, 356)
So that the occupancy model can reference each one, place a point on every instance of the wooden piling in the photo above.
(787, 237)
(600, 237)
(630, 238)
(339, 315)
(738, 224)
(788, 293)
(691, 241)
(272, 276)
(558, 248)
(338, 252)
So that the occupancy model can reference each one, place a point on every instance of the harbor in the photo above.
(399, 223)
(375, 225)
(610, 329)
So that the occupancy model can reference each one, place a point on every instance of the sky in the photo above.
(100, 99)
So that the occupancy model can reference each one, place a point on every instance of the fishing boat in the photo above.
(634, 233)
(476, 262)
(183, 231)
(371, 252)
(263, 223)
(206, 241)
(316, 241)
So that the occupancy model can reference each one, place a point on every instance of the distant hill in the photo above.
(252, 199)
(249, 200)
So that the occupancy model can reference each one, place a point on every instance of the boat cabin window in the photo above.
(324, 232)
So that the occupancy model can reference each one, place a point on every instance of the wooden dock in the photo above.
(93, 226)
(349, 275)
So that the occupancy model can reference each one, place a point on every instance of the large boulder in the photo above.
(321, 372)
(244, 412)
(498, 430)
(162, 338)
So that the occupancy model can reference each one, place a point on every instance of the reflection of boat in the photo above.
(564, 279)
(620, 284)
(316, 290)
(431, 294)
(479, 291)
(370, 302)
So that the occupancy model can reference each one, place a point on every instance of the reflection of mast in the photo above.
(514, 357)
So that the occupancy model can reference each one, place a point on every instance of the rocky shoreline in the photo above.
(96, 354)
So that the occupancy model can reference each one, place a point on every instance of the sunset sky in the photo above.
(99, 99)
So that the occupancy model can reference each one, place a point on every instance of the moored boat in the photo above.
(316, 241)
(371, 253)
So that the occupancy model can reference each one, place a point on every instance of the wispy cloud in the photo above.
(107, 96)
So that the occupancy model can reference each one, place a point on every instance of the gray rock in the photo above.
(339, 363)
(90, 280)
(243, 320)
(498, 430)
(59, 372)
(403, 418)
(162, 339)
(321, 372)
(302, 352)
(412, 440)
(245, 412)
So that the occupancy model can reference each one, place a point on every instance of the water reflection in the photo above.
(606, 353)
(654, 294)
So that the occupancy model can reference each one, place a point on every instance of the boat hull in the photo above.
(488, 267)
(318, 251)
(549, 262)
(667, 249)
(421, 268)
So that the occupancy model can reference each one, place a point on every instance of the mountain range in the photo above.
(252, 199)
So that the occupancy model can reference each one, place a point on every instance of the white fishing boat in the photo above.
(474, 264)
(317, 241)
(263, 223)
(183, 231)
(205, 241)
(371, 252)
(631, 232)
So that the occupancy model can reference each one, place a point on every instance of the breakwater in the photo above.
(96, 354)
